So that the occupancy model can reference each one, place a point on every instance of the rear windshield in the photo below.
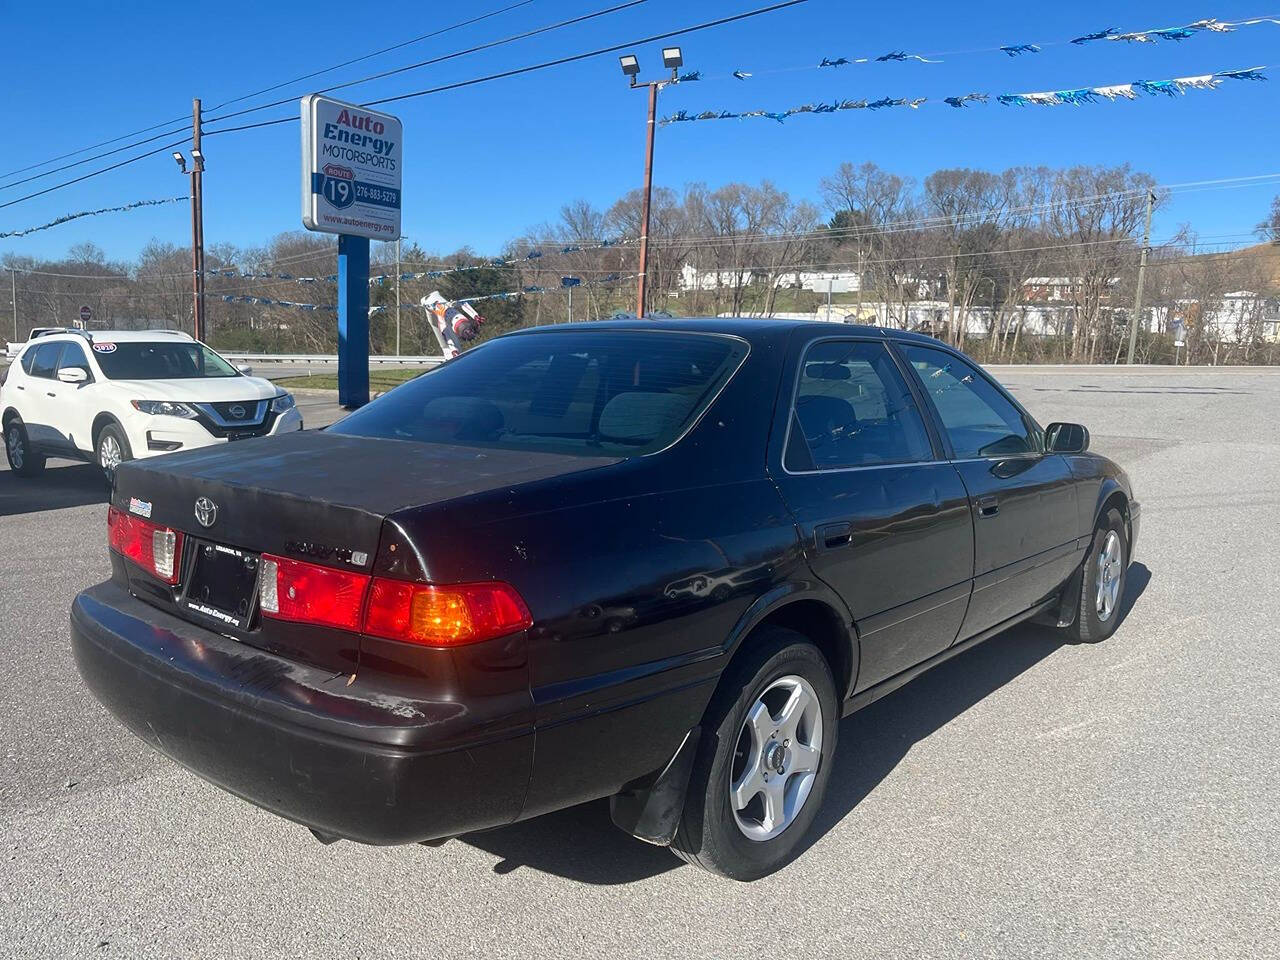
(160, 361)
(587, 393)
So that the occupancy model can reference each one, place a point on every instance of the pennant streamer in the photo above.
(505, 295)
(1154, 35)
(382, 278)
(1048, 98)
(90, 213)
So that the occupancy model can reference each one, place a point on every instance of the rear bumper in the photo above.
(294, 739)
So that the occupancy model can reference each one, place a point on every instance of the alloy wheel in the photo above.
(776, 758)
(13, 439)
(109, 453)
(1110, 568)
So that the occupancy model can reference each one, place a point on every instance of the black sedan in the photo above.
(655, 561)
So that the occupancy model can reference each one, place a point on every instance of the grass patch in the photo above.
(379, 380)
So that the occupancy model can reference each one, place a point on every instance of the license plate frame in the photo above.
(222, 587)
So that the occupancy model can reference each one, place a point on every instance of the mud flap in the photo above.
(1069, 601)
(651, 809)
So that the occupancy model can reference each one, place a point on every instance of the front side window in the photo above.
(180, 360)
(979, 419)
(45, 360)
(73, 356)
(613, 392)
(853, 409)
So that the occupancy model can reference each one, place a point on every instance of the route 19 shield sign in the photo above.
(351, 165)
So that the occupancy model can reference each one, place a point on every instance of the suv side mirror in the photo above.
(1066, 438)
(245, 369)
(73, 375)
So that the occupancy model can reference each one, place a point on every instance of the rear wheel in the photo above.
(23, 461)
(764, 760)
(112, 449)
(1102, 587)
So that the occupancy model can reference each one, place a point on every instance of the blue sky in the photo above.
(484, 163)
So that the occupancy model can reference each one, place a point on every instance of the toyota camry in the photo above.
(653, 561)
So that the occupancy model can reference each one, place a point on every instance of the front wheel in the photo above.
(113, 449)
(1102, 586)
(23, 461)
(764, 760)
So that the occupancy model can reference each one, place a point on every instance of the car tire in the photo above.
(1102, 586)
(742, 841)
(23, 461)
(111, 449)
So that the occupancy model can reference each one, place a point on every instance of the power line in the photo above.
(443, 30)
(441, 59)
(376, 53)
(114, 166)
(537, 66)
(98, 156)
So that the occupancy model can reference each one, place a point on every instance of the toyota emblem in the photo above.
(237, 412)
(206, 512)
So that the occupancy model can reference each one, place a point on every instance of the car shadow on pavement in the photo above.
(60, 486)
(582, 843)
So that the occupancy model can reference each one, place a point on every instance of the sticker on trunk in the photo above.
(141, 507)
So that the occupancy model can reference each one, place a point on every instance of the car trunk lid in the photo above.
(312, 496)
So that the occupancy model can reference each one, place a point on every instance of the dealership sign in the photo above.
(351, 164)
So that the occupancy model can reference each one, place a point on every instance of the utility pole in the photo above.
(197, 223)
(672, 59)
(13, 289)
(1142, 276)
(397, 296)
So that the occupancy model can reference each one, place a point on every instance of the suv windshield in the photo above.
(160, 361)
(586, 393)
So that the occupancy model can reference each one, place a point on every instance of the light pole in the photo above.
(672, 60)
(197, 224)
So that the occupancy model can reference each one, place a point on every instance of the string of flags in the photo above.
(1077, 97)
(382, 278)
(1153, 35)
(532, 290)
(66, 218)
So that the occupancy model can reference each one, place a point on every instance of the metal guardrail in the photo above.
(305, 358)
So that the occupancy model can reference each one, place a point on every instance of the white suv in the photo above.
(112, 396)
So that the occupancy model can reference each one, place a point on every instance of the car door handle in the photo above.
(988, 507)
(829, 536)
(48, 394)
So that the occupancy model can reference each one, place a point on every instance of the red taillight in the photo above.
(444, 615)
(156, 549)
(309, 593)
(429, 614)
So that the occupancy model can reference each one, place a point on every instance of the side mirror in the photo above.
(245, 369)
(1066, 438)
(73, 375)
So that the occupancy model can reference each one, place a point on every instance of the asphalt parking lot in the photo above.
(1027, 798)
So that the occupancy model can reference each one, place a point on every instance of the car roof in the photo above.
(121, 336)
(744, 327)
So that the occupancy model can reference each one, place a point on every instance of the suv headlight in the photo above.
(164, 408)
(282, 403)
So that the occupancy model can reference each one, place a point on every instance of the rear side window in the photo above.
(612, 392)
(979, 419)
(45, 360)
(853, 409)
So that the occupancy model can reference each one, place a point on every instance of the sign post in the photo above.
(86, 314)
(351, 173)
